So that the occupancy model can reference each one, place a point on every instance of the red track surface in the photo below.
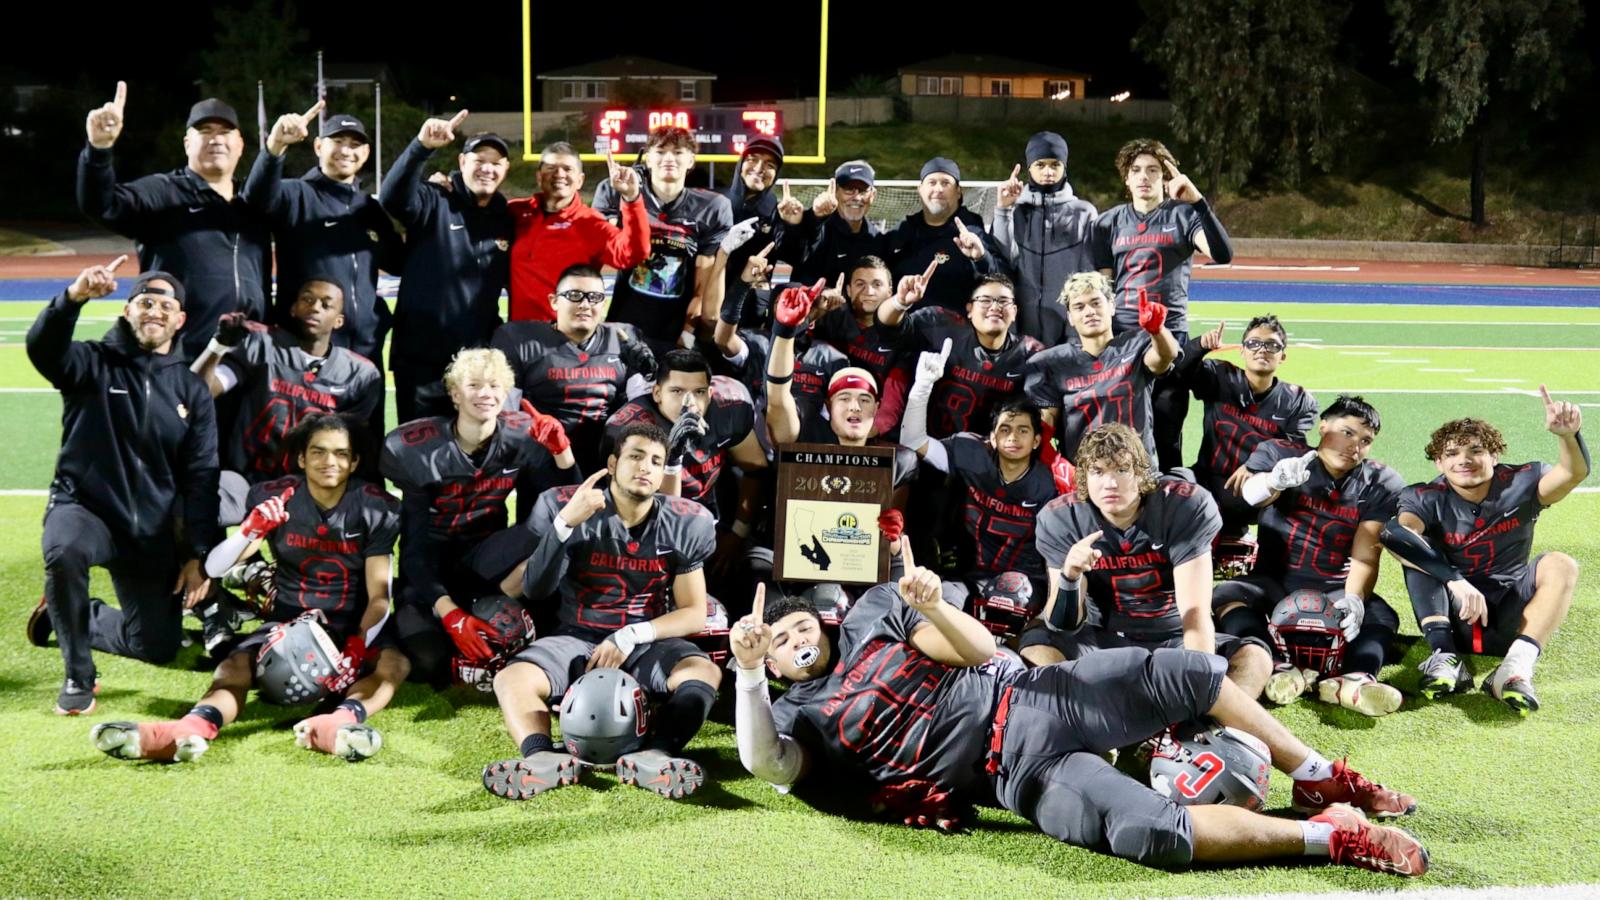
(1365, 273)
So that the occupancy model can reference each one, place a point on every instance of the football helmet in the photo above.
(1233, 557)
(1201, 763)
(297, 662)
(1004, 602)
(1308, 631)
(829, 600)
(603, 716)
(513, 627)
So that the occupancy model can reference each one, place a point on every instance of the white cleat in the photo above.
(1360, 692)
(1288, 682)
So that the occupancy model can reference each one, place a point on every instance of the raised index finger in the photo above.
(905, 555)
(758, 609)
(122, 95)
(1545, 393)
(786, 189)
(1172, 170)
(931, 267)
(459, 118)
(112, 266)
(316, 108)
(961, 226)
(589, 482)
(611, 161)
(1091, 538)
(1016, 170)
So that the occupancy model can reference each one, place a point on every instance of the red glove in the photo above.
(547, 430)
(355, 656)
(469, 633)
(1064, 474)
(268, 515)
(1151, 315)
(892, 522)
(794, 304)
(919, 804)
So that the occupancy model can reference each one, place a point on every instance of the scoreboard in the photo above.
(719, 130)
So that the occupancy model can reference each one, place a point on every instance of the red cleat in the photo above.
(1345, 785)
(1381, 848)
(182, 740)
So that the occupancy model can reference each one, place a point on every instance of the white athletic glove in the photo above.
(630, 636)
(930, 368)
(1354, 609)
(739, 235)
(1291, 473)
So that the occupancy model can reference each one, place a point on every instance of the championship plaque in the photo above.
(829, 498)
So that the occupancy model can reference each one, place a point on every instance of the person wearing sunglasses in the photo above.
(578, 367)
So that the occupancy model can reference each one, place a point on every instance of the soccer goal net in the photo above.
(897, 199)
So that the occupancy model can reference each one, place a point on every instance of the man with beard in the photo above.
(947, 233)
(1044, 229)
(555, 230)
(457, 239)
(189, 222)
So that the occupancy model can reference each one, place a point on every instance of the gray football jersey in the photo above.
(1492, 539)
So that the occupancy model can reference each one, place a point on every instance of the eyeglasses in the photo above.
(147, 302)
(1256, 344)
(1001, 303)
(592, 298)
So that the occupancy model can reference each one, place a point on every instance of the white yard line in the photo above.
(1503, 392)
(1447, 370)
(1357, 352)
(32, 390)
(1402, 360)
(1497, 380)
(1298, 321)
(1347, 348)
(24, 493)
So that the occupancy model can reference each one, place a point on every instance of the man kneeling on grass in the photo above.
(332, 537)
(914, 701)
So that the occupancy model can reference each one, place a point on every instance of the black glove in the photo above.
(688, 430)
(231, 328)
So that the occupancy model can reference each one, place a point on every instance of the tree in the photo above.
(1251, 82)
(1484, 62)
(259, 43)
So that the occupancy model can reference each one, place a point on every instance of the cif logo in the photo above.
(849, 520)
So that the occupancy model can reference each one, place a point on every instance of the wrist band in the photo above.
(740, 528)
(779, 379)
(749, 679)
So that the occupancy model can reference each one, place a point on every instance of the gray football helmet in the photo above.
(603, 716)
(1308, 631)
(1198, 764)
(297, 662)
(829, 600)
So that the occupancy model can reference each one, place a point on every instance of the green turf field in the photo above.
(1503, 801)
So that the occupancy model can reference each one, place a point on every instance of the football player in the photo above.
(1321, 514)
(1145, 246)
(1137, 548)
(984, 362)
(1102, 378)
(913, 698)
(1243, 407)
(624, 563)
(285, 374)
(331, 537)
(857, 332)
(578, 367)
(745, 351)
(1465, 538)
(454, 474)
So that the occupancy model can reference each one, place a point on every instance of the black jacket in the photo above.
(334, 230)
(916, 243)
(769, 229)
(826, 248)
(138, 430)
(457, 262)
(220, 249)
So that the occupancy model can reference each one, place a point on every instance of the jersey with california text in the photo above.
(1133, 585)
(611, 575)
(1305, 536)
(580, 384)
(975, 380)
(1238, 419)
(888, 711)
(280, 384)
(998, 516)
(815, 363)
(655, 294)
(1149, 252)
(873, 348)
(1092, 390)
(1492, 539)
(729, 420)
(320, 555)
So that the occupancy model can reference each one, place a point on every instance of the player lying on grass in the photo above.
(625, 564)
(1136, 547)
(331, 536)
(1321, 513)
(913, 700)
(1465, 538)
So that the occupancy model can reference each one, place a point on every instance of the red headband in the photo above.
(852, 382)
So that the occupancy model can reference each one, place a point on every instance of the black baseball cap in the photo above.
(487, 139)
(855, 170)
(765, 145)
(213, 110)
(343, 124)
(141, 285)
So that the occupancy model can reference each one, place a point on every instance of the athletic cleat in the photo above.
(521, 779)
(1288, 682)
(339, 736)
(220, 621)
(256, 579)
(672, 777)
(1443, 673)
(147, 740)
(1346, 785)
(39, 627)
(1381, 848)
(1360, 692)
(1515, 691)
(75, 699)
